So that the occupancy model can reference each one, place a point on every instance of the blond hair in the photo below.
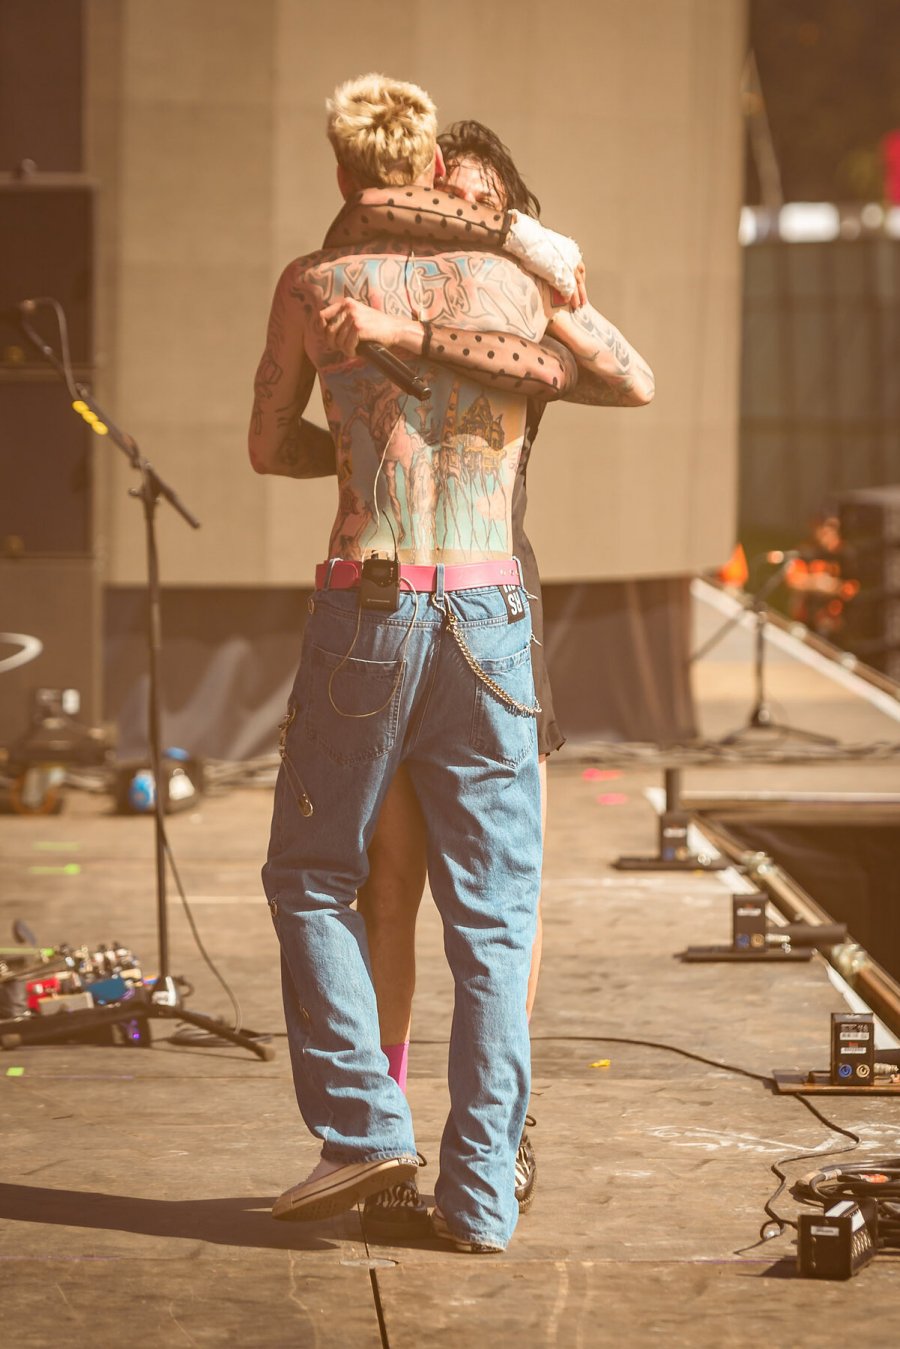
(383, 131)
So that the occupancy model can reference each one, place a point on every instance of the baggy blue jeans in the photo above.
(405, 693)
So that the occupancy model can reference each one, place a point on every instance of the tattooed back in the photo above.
(432, 480)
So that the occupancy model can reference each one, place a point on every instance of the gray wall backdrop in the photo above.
(204, 126)
(821, 380)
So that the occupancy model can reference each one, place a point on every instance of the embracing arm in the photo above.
(498, 360)
(413, 213)
(282, 387)
(611, 372)
(438, 216)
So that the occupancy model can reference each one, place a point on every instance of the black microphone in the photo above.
(18, 312)
(25, 310)
(396, 370)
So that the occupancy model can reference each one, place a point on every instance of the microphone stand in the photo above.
(674, 851)
(164, 998)
(761, 718)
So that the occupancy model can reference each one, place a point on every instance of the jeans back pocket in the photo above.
(353, 706)
(499, 731)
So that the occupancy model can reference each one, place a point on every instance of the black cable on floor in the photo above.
(186, 1035)
(781, 1224)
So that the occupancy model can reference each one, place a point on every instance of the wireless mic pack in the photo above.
(379, 584)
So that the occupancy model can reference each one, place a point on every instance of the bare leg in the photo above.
(389, 902)
(539, 933)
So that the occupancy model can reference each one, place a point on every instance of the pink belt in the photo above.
(344, 574)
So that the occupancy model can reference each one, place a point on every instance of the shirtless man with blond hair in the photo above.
(421, 659)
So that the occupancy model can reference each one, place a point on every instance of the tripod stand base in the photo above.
(126, 1023)
(760, 723)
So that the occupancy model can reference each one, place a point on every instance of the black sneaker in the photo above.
(526, 1169)
(397, 1211)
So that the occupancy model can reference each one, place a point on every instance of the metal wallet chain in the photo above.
(304, 805)
(522, 708)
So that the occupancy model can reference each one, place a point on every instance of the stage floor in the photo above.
(137, 1182)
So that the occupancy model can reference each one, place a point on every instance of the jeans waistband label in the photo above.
(515, 603)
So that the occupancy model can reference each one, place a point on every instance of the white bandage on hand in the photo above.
(543, 252)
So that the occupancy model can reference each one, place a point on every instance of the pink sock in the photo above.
(397, 1057)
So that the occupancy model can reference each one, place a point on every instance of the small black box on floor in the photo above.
(836, 1244)
(749, 924)
(673, 835)
(752, 938)
(852, 1049)
(134, 790)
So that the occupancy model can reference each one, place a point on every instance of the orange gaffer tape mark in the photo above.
(600, 774)
(612, 799)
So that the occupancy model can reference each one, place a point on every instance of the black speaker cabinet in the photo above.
(49, 612)
(870, 529)
(45, 470)
(41, 82)
(46, 250)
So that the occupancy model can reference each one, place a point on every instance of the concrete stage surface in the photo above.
(136, 1187)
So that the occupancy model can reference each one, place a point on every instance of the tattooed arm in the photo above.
(611, 372)
(312, 449)
(282, 387)
(504, 361)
